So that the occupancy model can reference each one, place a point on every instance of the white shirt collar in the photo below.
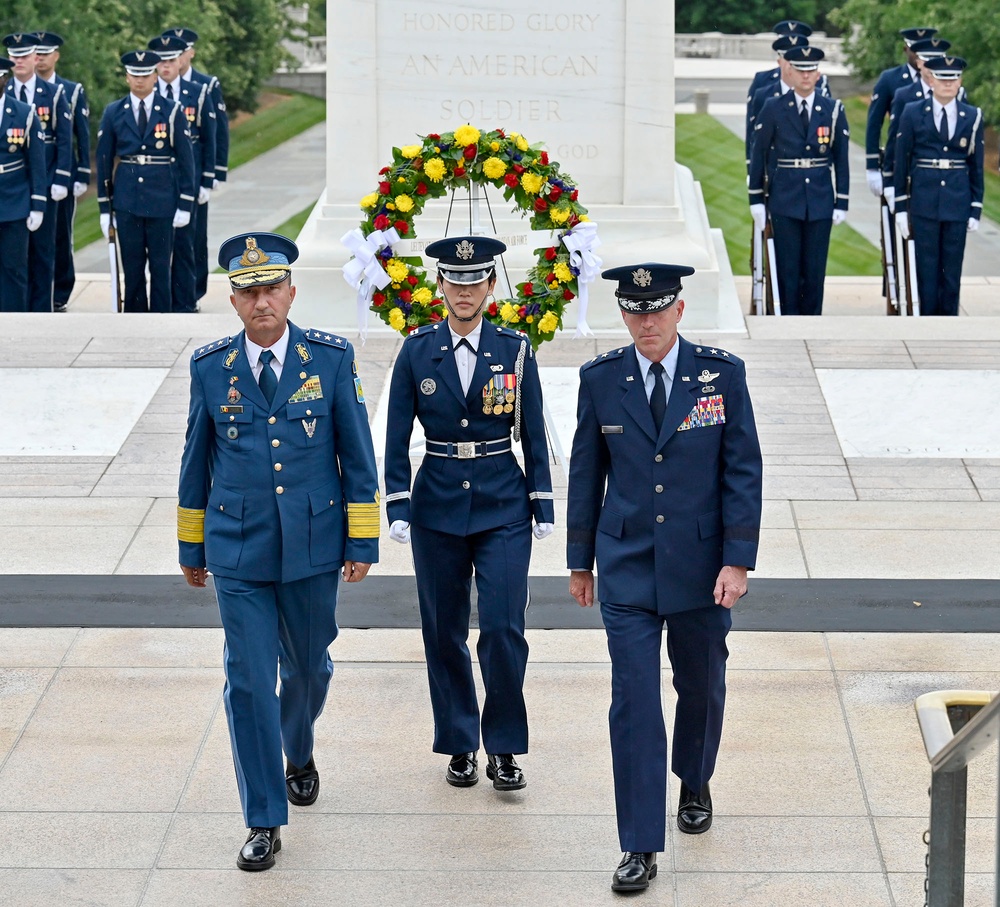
(669, 362)
(186, 76)
(29, 87)
(279, 348)
(161, 86)
(913, 72)
(810, 99)
(473, 336)
(51, 81)
(785, 87)
(148, 101)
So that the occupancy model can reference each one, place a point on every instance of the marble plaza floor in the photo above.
(882, 461)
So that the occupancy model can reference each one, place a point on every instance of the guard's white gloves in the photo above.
(79, 189)
(58, 193)
(874, 178)
(181, 219)
(215, 184)
(542, 530)
(839, 216)
(204, 195)
(34, 220)
(105, 224)
(972, 225)
(399, 531)
(903, 224)
(759, 215)
(890, 198)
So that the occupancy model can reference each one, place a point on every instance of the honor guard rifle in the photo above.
(889, 261)
(117, 299)
(774, 301)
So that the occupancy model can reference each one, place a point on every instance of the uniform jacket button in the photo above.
(464, 423)
(466, 485)
(659, 488)
(658, 458)
(271, 420)
(275, 443)
(279, 490)
(277, 467)
(659, 518)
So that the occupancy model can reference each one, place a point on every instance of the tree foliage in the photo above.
(747, 16)
(873, 43)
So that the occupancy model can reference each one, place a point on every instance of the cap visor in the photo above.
(258, 277)
(464, 277)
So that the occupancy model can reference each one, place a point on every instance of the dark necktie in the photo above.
(268, 381)
(143, 119)
(24, 94)
(170, 92)
(943, 128)
(464, 342)
(804, 114)
(658, 398)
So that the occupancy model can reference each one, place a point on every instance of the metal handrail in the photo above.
(957, 726)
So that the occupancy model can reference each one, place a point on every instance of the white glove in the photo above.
(399, 531)
(890, 198)
(215, 185)
(903, 224)
(204, 195)
(58, 193)
(79, 189)
(759, 215)
(105, 224)
(542, 530)
(972, 225)
(34, 220)
(839, 216)
(181, 219)
(874, 178)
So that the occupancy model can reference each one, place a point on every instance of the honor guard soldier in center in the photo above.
(278, 493)
(471, 385)
(47, 56)
(23, 185)
(939, 183)
(665, 494)
(56, 128)
(152, 190)
(800, 145)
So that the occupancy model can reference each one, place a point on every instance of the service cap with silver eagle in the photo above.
(946, 68)
(916, 33)
(786, 42)
(466, 259)
(20, 45)
(47, 42)
(169, 47)
(792, 27)
(187, 35)
(140, 62)
(649, 287)
(930, 48)
(257, 259)
(804, 58)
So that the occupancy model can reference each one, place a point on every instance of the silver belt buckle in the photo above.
(140, 159)
(943, 164)
(466, 450)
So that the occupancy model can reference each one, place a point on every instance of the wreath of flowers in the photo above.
(437, 165)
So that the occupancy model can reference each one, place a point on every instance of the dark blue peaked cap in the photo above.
(466, 259)
(649, 287)
(257, 259)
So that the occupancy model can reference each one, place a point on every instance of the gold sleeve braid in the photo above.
(363, 520)
(191, 525)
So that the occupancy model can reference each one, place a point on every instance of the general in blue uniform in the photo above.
(23, 193)
(665, 493)
(801, 146)
(471, 385)
(53, 117)
(939, 183)
(47, 56)
(278, 492)
(153, 185)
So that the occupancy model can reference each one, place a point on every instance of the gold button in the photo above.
(272, 420)
(309, 412)
(275, 443)
(232, 418)
(658, 458)
(279, 490)
(302, 374)
(659, 518)
(277, 467)
(659, 488)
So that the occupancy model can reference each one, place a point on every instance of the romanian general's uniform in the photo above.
(274, 498)
(23, 190)
(154, 179)
(470, 508)
(662, 511)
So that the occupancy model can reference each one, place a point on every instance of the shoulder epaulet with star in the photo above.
(423, 330)
(714, 352)
(609, 356)
(326, 339)
(211, 348)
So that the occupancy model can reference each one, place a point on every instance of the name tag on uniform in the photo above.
(612, 430)
(230, 409)
(707, 411)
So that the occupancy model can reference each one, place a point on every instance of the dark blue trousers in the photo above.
(801, 247)
(272, 630)
(696, 647)
(182, 269)
(14, 265)
(142, 240)
(444, 566)
(199, 218)
(42, 261)
(65, 275)
(940, 247)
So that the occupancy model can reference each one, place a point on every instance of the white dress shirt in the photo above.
(669, 363)
(147, 102)
(808, 101)
(175, 87)
(29, 88)
(279, 348)
(950, 110)
(465, 358)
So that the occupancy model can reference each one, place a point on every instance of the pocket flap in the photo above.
(710, 524)
(611, 523)
(307, 409)
(225, 501)
(323, 498)
(228, 413)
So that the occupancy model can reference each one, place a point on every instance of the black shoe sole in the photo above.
(643, 887)
(300, 801)
(261, 866)
(695, 831)
(504, 785)
(462, 782)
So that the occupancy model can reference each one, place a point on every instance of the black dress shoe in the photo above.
(694, 811)
(504, 772)
(258, 852)
(634, 872)
(462, 770)
(302, 784)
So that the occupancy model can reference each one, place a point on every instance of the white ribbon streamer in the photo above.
(364, 271)
(581, 242)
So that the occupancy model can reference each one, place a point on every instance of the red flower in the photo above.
(459, 171)
(470, 152)
(412, 281)
(511, 180)
(384, 187)
(492, 308)
(554, 193)
(378, 298)
(433, 136)
(412, 328)
(522, 311)
(402, 227)
(381, 222)
(574, 195)
(550, 278)
(529, 289)
(545, 159)
(501, 133)
(418, 163)
(573, 221)
(550, 253)
(567, 295)
(518, 168)
(435, 316)
(541, 205)
(435, 301)
(404, 295)
(384, 170)
(421, 188)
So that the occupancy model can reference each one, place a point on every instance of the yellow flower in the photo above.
(466, 135)
(530, 318)
(547, 323)
(558, 215)
(509, 314)
(532, 183)
(396, 319)
(494, 146)
(397, 269)
(422, 295)
(435, 169)
(494, 168)
(401, 179)
(562, 271)
(390, 206)
(584, 218)
(370, 200)
(554, 285)
(410, 151)
(520, 141)
(404, 203)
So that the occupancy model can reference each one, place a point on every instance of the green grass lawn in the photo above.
(716, 157)
(293, 226)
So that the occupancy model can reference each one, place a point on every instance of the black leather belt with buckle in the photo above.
(467, 450)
